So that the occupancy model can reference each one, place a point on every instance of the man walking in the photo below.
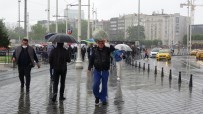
(58, 58)
(25, 57)
(51, 70)
(83, 51)
(118, 56)
(100, 59)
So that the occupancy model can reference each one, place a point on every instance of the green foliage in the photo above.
(84, 30)
(185, 39)
(150, 42)
(37, 32)
(133, 33)
(194, 37)
(4, 40)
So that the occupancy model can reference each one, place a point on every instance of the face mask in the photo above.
(107, 44)
(24, 46)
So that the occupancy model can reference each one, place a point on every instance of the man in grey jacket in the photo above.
(25, 57)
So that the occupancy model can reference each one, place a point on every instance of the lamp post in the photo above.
(48, 16)
(78, 64)
(66, 19)
(138, 19)
(19, 20)
(27, 33)
(88, 23)
(92, 18)
(188, 33)
(25, 18)
(56, 16)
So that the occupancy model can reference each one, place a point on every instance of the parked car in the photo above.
(194, 52)
(153, 52)
(199, 54)
(163, 54)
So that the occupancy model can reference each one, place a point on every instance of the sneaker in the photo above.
(118, 78)
(97, 101)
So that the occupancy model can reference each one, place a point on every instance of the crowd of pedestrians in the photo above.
(101, 56)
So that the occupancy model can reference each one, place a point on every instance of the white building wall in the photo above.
(168, 28)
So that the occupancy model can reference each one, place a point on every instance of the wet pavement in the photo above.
(138, 92)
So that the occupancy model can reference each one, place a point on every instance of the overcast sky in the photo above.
(105, 8)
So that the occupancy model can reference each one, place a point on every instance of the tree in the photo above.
(133, 33)
(84, 30)
(4, 40)
(37, 32)
(194, 37)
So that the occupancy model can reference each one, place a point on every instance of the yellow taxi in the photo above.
(163, 54)
(194, 52)
(199, 54)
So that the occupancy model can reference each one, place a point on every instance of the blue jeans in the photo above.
(100, 76)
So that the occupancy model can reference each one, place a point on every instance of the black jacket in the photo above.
(100, 58)
(59, 57)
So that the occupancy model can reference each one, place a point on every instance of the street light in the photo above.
(78, 64)
(138, 20)
(56, 16)
(19, 20)
(188, 33)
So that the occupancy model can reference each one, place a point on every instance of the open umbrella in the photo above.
(123, 47)
(61, 38)
(47, 36)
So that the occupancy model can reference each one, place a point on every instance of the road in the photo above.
(185, 65)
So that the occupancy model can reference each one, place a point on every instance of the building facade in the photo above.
(73, 13)
(169, 28)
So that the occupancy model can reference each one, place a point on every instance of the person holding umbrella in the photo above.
(100, 59)
(119, 55)
(58, 58)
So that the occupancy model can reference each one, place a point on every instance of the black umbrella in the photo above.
(61, 38)
(47, 36)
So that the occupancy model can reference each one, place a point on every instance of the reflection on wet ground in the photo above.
(138, 92)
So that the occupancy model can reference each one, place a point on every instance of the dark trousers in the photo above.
(51, 70)
(24, 71)
(62, 75)
(83, 57)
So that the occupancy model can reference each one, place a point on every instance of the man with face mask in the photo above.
(25, 57)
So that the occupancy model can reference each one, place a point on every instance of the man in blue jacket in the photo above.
(100, 59)
(118, 56)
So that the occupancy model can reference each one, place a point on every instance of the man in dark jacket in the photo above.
(83, 51)
(100, 59)
(89, 50)
(25, 57)
(58, 59)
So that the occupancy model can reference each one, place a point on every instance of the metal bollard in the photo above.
(162, 72)
(190, 83)
(143, 66)
(148, 67)
(139, 65)
(155, 72)
(179, 79)
(170, 75)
